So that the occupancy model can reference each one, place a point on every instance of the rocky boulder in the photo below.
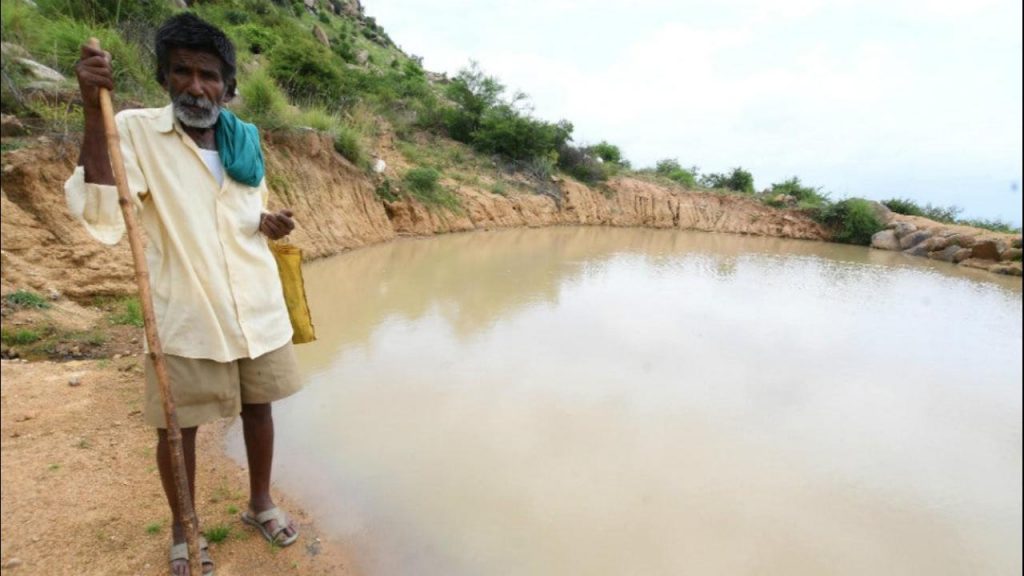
(914, 238)
(1010, 254)
(947, 254)
(10, 126)
(885, 240)
(1008, 268)
(902, 228)
(985, 250)
(321, 36)
(961, 255)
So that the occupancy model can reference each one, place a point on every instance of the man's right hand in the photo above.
(94, 72)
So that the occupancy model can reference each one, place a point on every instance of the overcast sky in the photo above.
(872, 98)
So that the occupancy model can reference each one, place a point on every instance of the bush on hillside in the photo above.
(422, 184)
(306, 70)
(739, 180)
(105, 12)
(581, 165)
(254, 38)
(504, 131)
(670, 168)
(607, 152)
(852, 221)
(348, 144)
(263, 101)
(805, 195)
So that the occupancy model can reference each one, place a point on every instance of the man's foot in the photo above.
(179, 558)
(274, 524)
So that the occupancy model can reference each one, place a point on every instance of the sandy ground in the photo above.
(80, 490)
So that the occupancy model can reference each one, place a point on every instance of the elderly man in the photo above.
(196, 175)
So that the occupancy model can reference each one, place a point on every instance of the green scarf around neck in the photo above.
(238, 144)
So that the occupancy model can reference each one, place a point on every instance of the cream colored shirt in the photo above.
(216, 290)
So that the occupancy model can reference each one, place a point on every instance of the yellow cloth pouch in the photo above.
(289, 267)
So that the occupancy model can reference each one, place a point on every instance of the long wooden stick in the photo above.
(156, 353)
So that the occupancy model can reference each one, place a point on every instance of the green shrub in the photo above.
(263, 101)
(26, 299)
(217, 534)
(306, 70)
(994, 224)
(255, 38)
(671, 169)
(853, 221)
(107, 12)
(581, 165)
(805, 195)
(607, 152)
(19, 337)
(129, 314)
(319, 119)
(504, 131)
(739, 180)
(384, 191)
(903, 206)
(348, 144)
(422, 184)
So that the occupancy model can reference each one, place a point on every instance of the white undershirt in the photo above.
(212, 160)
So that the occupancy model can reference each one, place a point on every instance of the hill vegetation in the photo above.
(324, 65)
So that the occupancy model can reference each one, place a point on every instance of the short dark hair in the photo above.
(186, 30)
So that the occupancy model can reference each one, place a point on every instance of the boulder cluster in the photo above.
(985, 252)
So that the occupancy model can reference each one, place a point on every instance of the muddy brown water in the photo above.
(593, 401)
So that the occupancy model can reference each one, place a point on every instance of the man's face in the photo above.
(196, 86)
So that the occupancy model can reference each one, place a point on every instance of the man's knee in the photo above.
(256, 411)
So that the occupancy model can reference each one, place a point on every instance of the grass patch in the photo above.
(128, 313)
(26, 299)
(348, 143)
(217, 534)
(853, 221)
(232, 509)
(20, 337)
(422, 184)
(153, 528)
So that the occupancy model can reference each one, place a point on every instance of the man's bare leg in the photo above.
(258, 428)
(163, 462)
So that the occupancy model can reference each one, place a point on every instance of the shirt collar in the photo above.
(165, 121)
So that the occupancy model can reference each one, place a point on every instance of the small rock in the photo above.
(54, 294)
(10, 126)
(24, 417)
(39, 71)
(13, 563)
(1015, 243)
(75, 351)
(362, 57)
(75, 381)
(117, 356)
(321, 36)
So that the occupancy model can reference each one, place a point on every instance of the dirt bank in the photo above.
(80, 490)
(44, 249)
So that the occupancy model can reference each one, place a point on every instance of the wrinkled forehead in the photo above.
(191, 58)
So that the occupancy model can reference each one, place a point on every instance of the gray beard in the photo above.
(204, 118)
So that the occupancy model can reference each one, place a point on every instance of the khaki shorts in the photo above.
(205, 390)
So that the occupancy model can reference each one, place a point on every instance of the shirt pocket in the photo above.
(246, 206)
